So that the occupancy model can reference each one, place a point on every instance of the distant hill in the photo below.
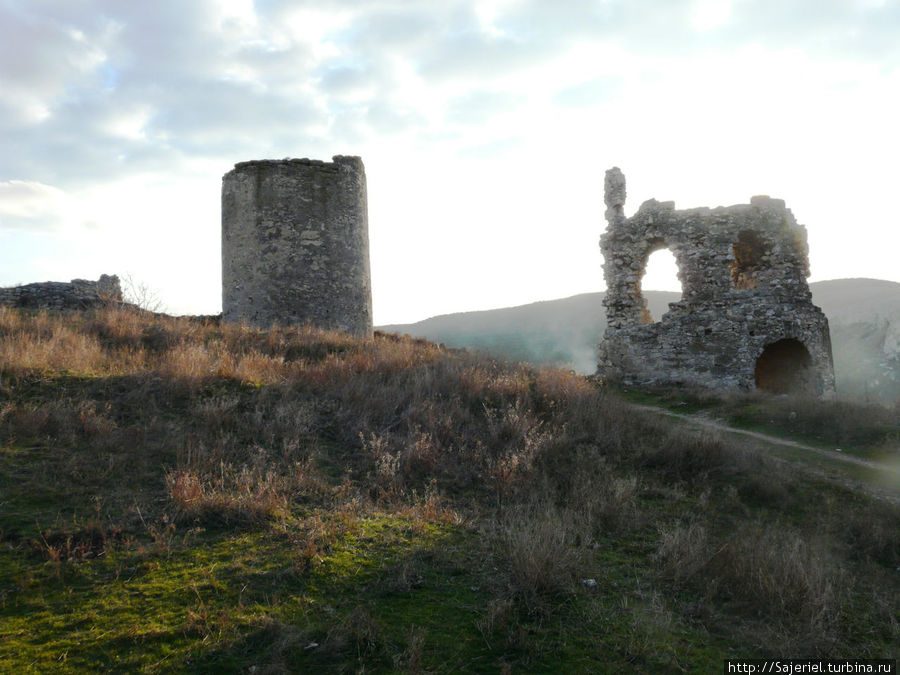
(847, 301)
(864, 315)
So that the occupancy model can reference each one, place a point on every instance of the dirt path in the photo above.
(702, 421)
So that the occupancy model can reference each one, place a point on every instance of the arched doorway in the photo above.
(785, 367)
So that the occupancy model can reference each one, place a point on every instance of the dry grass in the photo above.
(836, 422)
(60, 348)
(770, 570)
(123, 341)
(232, 496)
(544, 547)
(306, 434)
(873, 531)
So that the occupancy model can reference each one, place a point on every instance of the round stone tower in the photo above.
(295, 244)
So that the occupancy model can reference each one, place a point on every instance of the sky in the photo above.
(485, 128)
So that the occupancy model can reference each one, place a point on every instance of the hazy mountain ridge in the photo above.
(864, 316)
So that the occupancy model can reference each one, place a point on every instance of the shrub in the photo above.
(684, 454)
(768, 570)
(543, 547)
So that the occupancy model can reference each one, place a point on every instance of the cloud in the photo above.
(480, 106)
(387, 118)
(41, 57)
(394, 29)
(346, 80)
(32, 206)
(106, 88)
(491, 149)
(588, 93)
(133, 110)
(856, 28)
(144, 86)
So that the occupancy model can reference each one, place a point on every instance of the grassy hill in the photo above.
(178, 496)
(864, 315)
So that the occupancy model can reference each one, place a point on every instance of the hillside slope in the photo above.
(864, 315)
(185, 496)
(558, 332)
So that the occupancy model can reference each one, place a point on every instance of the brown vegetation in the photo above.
(178, 424)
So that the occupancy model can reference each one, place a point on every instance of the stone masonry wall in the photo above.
(746, 314)
(76, 294)
(295, 244)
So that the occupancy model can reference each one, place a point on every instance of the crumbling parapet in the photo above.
(295, 244)
(745, 319)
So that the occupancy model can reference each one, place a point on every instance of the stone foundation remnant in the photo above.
(745, 319)
(295, 244)
(76, 294)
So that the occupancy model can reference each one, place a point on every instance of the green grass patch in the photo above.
(867, 431)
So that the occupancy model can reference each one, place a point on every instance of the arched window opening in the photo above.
(785, 367)
(750, 251)
(660, 274)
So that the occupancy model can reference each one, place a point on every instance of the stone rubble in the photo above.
(57, 295)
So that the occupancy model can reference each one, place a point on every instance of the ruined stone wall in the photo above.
(76, 294)
(745, 319)
(295, 244)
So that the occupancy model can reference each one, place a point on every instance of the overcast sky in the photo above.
(485, 128)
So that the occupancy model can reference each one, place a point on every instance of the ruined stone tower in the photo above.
(745, 319)
(295, 244)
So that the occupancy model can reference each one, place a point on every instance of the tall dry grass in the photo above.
(404, 412)
(302, 430)
(767, 569)
(545, 548)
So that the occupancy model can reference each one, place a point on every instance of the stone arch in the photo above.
(655, 246)
(785, 367)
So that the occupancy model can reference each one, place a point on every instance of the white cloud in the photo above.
(130, 124)
(710, 14)
(32, 206)
(480, 106)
